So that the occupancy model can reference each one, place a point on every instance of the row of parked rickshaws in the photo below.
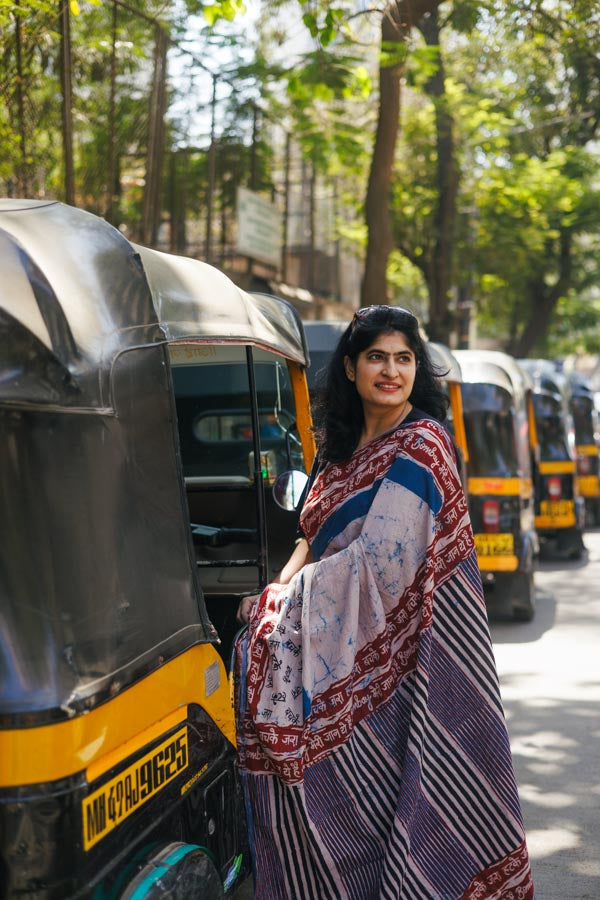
(154, 422)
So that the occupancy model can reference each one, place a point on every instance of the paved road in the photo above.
(550, 680)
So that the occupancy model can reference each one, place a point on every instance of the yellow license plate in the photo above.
(556, 508)
(118, 798)
(494, 544)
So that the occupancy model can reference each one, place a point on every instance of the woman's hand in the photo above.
(299, 558)
(245, 608)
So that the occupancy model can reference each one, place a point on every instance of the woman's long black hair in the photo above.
(338, 409)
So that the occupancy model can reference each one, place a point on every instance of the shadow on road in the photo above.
(555, 749)
(511, 632)
(552, 564)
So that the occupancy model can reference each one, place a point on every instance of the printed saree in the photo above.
(371, 735)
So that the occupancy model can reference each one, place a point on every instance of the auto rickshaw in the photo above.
(322, 338)
(559, 510)
(501, 441)
(587, 438)
(136, 488)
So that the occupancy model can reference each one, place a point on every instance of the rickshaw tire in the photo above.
(524, 590)
(578, 548)
(177, 871)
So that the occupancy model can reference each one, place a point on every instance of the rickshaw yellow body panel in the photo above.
(589, 485)
(558, 467)
(587, 449)
(97, 740)
(505, 487)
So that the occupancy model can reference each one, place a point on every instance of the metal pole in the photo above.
(261, 510)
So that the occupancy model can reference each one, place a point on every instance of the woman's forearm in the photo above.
(300, 557)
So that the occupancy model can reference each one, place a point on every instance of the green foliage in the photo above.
(575, 327)
(522, 87)
(223, 9)
(465, 15)
(407, 284)
(321, 91)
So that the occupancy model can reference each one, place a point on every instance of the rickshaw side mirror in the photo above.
(288, 488)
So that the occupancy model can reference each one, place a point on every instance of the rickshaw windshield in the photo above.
(488, 410)
(212, 396)
(551, 429)
(583, 416)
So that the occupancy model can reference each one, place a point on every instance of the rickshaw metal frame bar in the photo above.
(261, 511)
(225, 563)
(460, 435)
(303, 417)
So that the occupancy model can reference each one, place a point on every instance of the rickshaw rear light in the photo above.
(554, 488)
(491, 515)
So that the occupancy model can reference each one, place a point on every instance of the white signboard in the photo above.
(258, 227)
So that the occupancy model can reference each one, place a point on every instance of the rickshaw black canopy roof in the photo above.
(75, 294)
(494, 367)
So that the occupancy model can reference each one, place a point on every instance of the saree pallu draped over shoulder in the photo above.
(371, 736)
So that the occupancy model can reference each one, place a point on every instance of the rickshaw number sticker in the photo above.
(494, 544)
(118, 798)
(556, 508)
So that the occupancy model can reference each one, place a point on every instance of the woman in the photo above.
(371, 735)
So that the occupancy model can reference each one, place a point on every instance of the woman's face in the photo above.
(384, 373)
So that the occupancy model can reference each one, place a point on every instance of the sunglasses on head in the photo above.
(365, 311)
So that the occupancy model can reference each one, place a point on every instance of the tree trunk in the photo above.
(154, 160)
(67, 100)
(112, 188)
(398, 19)
(543, 302)
(22, 169)
(439, 271)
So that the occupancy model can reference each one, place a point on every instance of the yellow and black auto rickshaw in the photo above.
(146, 407)
(559, 510)
(587, 444)
(501, 442)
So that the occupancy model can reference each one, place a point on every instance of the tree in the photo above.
(535, 193)
(398, 20)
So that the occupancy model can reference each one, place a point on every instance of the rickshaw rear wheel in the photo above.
(523, 593)
(177, 871)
